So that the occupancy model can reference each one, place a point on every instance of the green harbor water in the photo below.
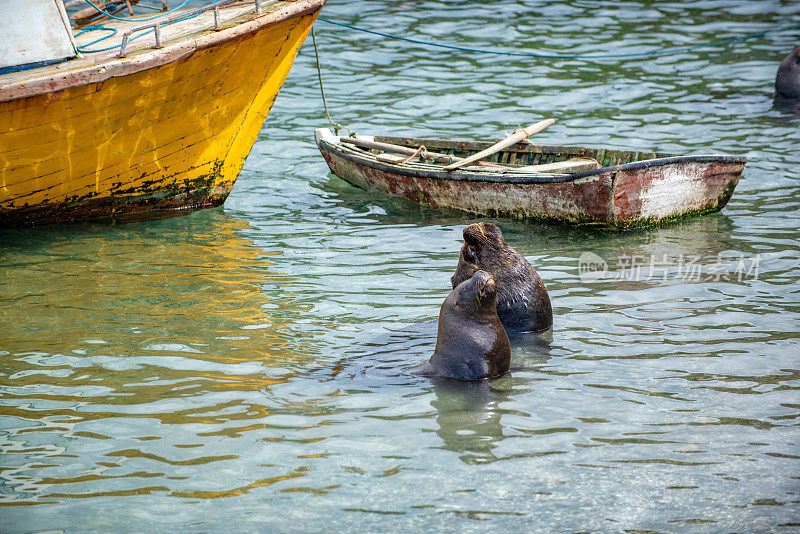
(240, 369)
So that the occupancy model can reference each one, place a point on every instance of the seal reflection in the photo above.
(469, 417)
(469, 413)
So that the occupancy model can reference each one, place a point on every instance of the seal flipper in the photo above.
(423, 369)
(473, 369)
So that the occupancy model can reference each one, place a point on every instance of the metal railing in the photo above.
(156, 26)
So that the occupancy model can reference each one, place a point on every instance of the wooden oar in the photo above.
(386, 147)
(514, 138)
(570, 166)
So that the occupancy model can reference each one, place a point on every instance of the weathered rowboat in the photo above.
(614, 188)
(162, 120)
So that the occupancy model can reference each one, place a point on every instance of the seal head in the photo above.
(471, 343)
(522, 300)
(787, 82)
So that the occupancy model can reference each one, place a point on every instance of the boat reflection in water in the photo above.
(148, 336)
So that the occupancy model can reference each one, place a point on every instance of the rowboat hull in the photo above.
(161, 130)
(637, 193)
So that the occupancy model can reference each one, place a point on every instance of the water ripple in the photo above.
(243, 368)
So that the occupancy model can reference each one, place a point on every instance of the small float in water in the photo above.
(517, 178)
(161, 117)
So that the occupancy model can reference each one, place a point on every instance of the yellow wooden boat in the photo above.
(163, 120)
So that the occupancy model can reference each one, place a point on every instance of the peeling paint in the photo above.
(656, 194)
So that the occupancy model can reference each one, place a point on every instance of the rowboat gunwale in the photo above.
(517, 177)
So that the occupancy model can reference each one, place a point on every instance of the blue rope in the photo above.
(83, 48)
(663, 52)
(136, 20)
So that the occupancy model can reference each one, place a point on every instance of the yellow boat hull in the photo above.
(173, 135)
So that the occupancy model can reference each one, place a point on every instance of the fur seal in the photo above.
(471, 343)
(787, 82)
(522, 300)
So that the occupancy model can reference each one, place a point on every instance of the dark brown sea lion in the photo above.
(471, 343)
(787, 82)
(522, 300)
